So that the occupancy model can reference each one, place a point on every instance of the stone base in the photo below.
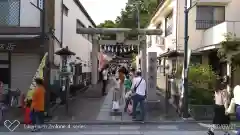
(115, 113)
(153, 105)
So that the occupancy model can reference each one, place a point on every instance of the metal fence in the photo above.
(9, 12)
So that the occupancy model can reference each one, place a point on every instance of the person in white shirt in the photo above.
(139, 94)
(236, 94)
(105, 78)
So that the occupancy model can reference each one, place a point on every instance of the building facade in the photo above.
(20, 41)
(23, 45)
(70, 15)
(208, 22)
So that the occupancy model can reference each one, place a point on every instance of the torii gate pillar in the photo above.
(95, 50)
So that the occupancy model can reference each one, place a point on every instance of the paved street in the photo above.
(92, 107)
(128, 129)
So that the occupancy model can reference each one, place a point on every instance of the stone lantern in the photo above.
(65, 54)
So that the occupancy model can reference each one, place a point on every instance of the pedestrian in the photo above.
(127, 84)
(116, 92)
(221, 118)
(121, 73)
(234, 106)
(132, 73)
(236, 94)
(139, 94)
(105, 78)
(38, 104)
(175, 93)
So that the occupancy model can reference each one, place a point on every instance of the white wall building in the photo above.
(74, 16)
(208, 21)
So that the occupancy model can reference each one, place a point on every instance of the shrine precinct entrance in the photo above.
(121, 34)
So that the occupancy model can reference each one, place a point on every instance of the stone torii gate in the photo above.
(120, 40)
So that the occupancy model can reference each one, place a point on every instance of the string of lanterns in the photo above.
(118, 48)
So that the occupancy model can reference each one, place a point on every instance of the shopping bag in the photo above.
(130, 108)
(231, 108)
(115, 105)
(27, 116)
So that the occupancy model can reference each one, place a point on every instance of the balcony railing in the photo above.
(9, 12)
(206, 24)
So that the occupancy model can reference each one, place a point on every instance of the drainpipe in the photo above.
(61, 25)
(176, 42)
(177, 25)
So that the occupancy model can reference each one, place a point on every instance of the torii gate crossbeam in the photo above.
(119, 30)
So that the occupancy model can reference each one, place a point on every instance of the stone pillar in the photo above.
(152, 77)
(143, 47)
(95, 47)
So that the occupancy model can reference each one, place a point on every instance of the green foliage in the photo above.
(230, 49)
(128, 17)
(108, 24)
(200, 96)
(202, 82)
(202, 76)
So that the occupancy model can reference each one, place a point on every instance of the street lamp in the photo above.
(65, 53)
(185, 80)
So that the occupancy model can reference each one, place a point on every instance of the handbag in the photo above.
(115, 105)
(231, 108)
(130, 108)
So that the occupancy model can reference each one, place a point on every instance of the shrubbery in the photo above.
(202, 82)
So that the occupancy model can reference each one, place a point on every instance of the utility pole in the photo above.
(186, 37)
(138, 25)
(185, 98)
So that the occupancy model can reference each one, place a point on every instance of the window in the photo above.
(168, 24)
(10, 12)
(80, 25)
(40, 4)
(65, 10)
(150, 41)
(90, 36)
(196, 59)
(209, 16)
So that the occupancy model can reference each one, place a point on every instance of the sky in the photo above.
(101, 10)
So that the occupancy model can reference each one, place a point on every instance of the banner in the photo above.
(38, 74)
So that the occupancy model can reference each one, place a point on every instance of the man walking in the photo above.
(139, 95)
(105, 78)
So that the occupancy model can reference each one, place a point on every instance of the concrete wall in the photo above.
(29, 15)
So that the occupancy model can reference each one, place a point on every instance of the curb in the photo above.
(127, 122)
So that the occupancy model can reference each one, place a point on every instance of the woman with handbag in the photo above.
(236, 94)
(221, 118)
(234, 106)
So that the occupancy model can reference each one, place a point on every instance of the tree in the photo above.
(230, 49)
(128, 17)
(108, 24)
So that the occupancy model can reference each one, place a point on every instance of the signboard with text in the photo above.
(152, 75)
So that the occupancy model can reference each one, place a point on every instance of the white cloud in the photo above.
(101, 10)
